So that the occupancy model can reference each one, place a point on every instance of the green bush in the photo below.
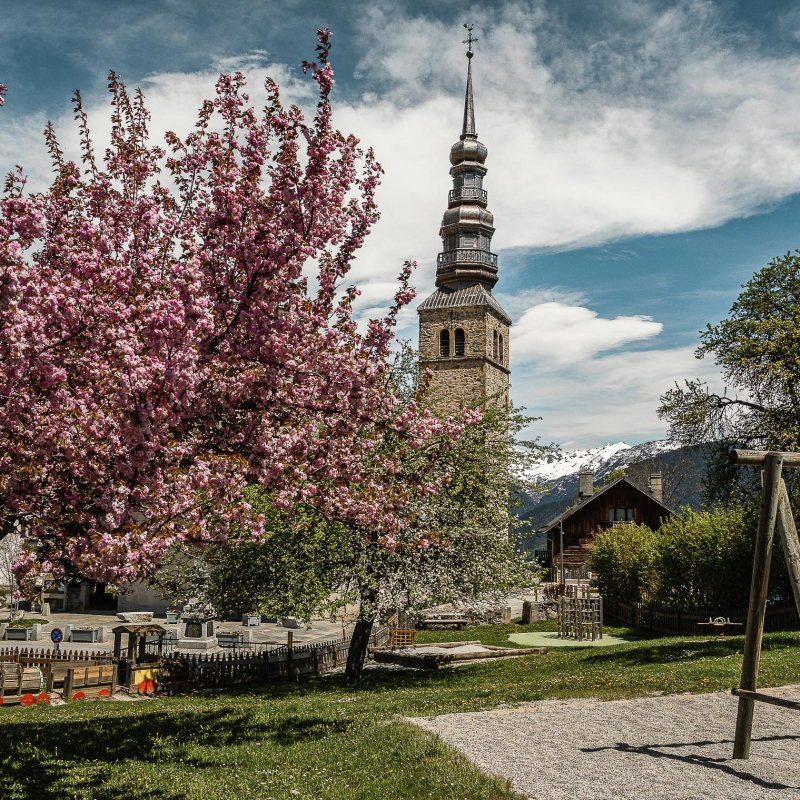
(705, 559)
(697, 559)
(624, 560)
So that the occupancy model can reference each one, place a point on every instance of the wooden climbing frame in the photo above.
(401, 638)
(775, 512)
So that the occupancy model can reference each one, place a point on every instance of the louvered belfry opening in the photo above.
(444, 344)
(459, 337)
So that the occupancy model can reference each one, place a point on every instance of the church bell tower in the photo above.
(463, 330)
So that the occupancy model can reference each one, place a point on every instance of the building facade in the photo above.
(463, 330)
(619, 503)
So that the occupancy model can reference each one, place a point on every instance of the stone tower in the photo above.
(463, 331)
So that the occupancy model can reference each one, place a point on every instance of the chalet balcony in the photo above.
(463, 256)
(468, 193)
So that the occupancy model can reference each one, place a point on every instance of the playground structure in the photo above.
(775, 512)
(580, 614)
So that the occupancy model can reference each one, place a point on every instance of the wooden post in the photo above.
(770, 495)
(791, 544)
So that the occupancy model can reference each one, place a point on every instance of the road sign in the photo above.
(56, 635)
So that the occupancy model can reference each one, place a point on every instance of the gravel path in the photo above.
(660, 748)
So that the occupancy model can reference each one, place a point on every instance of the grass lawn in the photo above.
(327, 740)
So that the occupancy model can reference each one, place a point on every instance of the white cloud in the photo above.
(663, 122)
(562, 334)
(609, 398)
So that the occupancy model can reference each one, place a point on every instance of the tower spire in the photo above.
(468, 128)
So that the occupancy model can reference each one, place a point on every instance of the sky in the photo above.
(644, 157)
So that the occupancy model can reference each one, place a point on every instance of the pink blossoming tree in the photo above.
(162, 347)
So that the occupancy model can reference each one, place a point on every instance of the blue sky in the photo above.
(644, 157)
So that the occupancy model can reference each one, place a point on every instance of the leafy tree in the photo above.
(619, 472)
(308, 564)
(756, 349)
(161, 350)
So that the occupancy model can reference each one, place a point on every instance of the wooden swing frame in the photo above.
(775, 512)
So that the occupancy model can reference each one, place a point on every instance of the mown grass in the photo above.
(328, 740)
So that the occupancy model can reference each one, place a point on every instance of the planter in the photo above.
(230, 639)
(19, 634)
(173, 617)
(251, 620)
(84, 635)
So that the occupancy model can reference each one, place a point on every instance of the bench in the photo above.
(441, 622)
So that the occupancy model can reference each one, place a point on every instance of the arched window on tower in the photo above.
(494, 346)
(444, 344)
(500, 348)
(459, 348)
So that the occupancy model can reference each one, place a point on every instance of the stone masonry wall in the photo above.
(475, 375)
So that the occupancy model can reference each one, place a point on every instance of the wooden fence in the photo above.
(34, 656)
(184, 672)
(188, 672)
(684, 623)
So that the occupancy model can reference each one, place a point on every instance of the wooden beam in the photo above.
(767, 698)
(791, 544)
(770, 495)
(757, 458)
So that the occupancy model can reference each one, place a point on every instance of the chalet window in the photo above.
(459, 348)
(444, 344)
(500, 348)
(621, 514)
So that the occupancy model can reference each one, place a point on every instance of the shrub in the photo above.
(624, 560)
(696, 560)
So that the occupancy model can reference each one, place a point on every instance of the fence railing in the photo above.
(188, 672)
(38, 655)
(782, 617)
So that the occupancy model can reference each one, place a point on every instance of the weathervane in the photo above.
(470, 40)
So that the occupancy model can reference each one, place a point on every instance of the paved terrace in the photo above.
(264, 633)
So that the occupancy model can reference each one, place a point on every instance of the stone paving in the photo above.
(264, 633)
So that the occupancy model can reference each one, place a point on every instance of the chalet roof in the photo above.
(476, 295)
(598, 492)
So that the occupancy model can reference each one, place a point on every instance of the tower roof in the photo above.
(467, 226)
(468, 129)
(470, 297)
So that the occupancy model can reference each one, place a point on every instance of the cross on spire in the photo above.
(470, 40)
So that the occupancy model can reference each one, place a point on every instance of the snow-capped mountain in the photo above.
(601, 460)
(682, 469)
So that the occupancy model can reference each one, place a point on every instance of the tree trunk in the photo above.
(357, 653)
(359, 640)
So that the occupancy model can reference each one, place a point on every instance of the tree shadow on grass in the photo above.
(685, 650)
(42, 758)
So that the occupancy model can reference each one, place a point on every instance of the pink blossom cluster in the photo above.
(161, 350)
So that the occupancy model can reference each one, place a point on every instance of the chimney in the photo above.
(585, 484)
(655, 486)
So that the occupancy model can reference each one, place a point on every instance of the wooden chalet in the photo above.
(617, 504)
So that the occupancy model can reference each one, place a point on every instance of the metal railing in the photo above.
(468, 193)
(467, 256)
